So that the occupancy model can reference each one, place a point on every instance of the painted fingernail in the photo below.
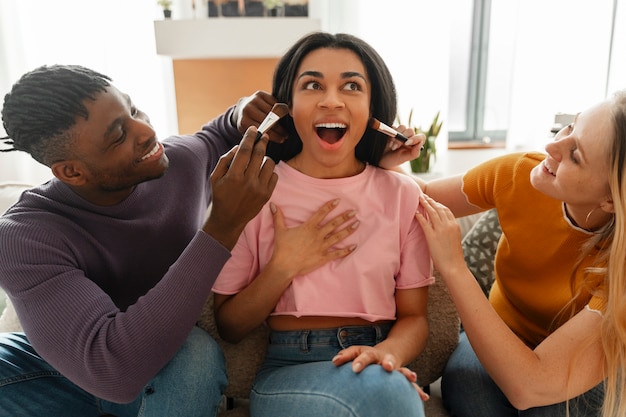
(273, 208)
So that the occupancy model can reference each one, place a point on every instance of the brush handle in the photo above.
(268, 122)
(401, 137)
(383, 128)
(258, 137)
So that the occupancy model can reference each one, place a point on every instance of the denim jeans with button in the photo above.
(298, 378)
(190, 385)
(468, 391)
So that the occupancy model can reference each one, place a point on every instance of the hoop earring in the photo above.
(589, 215)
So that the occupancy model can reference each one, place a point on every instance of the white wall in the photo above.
(563, 72)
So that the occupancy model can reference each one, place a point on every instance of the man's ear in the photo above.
(70, 172)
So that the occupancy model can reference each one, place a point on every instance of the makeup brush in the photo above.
(279, 110)
(381, 127)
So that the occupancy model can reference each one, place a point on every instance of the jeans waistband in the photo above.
(341, 337)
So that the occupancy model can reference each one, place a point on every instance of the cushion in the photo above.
(443, 334)
(479, 247)
(9, 193)
(8, 319)
(243, 359)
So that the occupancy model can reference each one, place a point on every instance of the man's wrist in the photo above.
(235, 114)
(232, 118)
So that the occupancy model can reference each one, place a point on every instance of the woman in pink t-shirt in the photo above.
(346, 298)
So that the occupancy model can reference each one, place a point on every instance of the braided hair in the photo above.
(43, 105)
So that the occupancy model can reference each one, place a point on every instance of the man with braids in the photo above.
(109, 263)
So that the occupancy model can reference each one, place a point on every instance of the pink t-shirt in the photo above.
(391, 252)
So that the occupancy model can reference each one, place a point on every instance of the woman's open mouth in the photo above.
(331, 133)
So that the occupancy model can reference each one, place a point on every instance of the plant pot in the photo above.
(167, 13)
(422, 162)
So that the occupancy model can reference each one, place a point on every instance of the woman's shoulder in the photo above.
(396, 179)
(392, 186)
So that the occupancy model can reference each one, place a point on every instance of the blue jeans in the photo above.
(298, 378)
(191, 384)
(468, 391)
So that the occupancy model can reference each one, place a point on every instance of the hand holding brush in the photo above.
(383, 128)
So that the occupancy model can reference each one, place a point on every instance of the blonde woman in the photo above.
(551, 341)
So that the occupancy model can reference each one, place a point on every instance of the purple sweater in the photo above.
(107, 295)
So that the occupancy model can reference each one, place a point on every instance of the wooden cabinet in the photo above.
(217, 61)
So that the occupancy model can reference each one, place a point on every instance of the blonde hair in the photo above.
(611, 242)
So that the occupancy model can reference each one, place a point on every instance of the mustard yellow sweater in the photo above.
(537, 251)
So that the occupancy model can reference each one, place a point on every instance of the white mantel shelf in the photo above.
(236, 37)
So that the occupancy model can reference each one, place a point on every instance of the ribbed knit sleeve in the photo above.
(482, 183)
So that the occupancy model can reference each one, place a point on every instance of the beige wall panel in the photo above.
(207, 87)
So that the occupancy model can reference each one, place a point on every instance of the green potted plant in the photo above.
(271, 6)
(429, 151)
(167, 8)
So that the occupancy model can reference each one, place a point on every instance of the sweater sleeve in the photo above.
(75, 326)
(216, 138)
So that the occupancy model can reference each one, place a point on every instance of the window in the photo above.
(481, 62)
